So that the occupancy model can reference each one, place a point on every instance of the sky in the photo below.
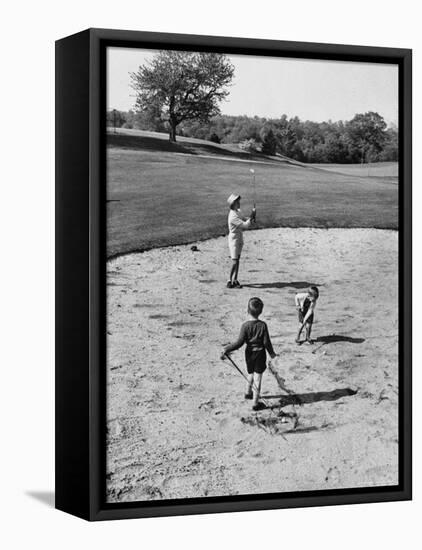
(271, 86)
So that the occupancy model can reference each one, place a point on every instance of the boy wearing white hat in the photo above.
(237, 223)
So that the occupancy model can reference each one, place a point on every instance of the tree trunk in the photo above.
(172, 133)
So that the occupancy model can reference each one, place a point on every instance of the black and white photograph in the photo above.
(209, 241)
(210, 237)
(252, 275)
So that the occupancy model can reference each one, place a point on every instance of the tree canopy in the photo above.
(182, 86)
(366, 134)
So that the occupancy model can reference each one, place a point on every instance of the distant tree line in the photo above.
(364, 138)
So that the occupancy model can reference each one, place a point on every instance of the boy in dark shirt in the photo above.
(254, 333)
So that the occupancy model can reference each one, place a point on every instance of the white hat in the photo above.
(233, 198)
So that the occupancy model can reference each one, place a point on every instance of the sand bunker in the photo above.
(178, 425)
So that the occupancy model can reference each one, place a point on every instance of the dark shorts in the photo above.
(302, 314)
(256, 361)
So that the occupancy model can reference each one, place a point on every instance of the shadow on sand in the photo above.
(294, 284)
(332, 338)
(312, 397)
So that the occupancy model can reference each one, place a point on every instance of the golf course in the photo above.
(161, 193)
(178, 425)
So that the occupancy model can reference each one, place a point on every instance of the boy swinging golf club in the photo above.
(237, 223)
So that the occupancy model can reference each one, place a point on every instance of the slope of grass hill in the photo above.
(161, 193)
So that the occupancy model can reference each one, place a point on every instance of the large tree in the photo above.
(366, 135)
(182, 86)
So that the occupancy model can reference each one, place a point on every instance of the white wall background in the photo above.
(27, 272)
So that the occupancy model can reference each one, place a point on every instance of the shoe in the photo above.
(259, 406)
(236, 284)
(229, 284)
(248, 395)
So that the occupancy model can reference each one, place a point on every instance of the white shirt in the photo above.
(237, 223)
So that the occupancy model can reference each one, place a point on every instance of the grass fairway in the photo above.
(387, 170)
(159, 194)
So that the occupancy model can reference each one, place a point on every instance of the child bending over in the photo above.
(254, 333)
(305, 305)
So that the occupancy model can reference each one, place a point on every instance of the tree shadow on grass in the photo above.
(333, 338)
(150, 143)
(294, 284)
(312, 397)
(145, 143)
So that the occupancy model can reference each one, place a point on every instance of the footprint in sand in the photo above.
(159, 316)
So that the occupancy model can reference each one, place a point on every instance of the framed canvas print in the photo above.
(233, 274)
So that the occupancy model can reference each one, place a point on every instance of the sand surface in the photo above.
(178, 425)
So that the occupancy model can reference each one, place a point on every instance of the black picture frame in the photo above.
(80, 273)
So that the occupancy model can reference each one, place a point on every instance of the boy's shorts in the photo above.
(256, 361)
(235, 248)
(302, 314)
